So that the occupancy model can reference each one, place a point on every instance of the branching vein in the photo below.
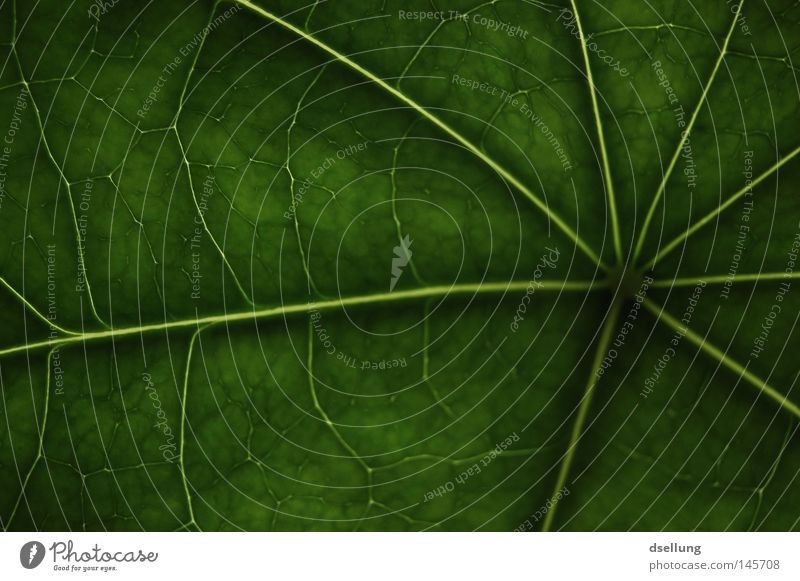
(685, 135)
(719, 209)
(724, 358)
(471, 147)
(291, 309)
(609, 183)
(606, 334)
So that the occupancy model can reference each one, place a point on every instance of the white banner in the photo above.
(400, 556)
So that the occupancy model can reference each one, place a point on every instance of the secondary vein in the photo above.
(724, 278)
(606, 333)
(291, 309)
(723, 358)
(612, 204)
(685, 135)
(719, 209)
(472, 148)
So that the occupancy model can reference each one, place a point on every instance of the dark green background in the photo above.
(277, 433)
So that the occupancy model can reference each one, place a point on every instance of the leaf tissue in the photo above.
(385, 265)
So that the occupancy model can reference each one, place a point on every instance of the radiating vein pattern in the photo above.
(395, 266)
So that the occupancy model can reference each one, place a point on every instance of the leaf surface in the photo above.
(374, 266)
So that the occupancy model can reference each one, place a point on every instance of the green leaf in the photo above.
(387, 266)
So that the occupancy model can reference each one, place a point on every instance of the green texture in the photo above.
(382, 265)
